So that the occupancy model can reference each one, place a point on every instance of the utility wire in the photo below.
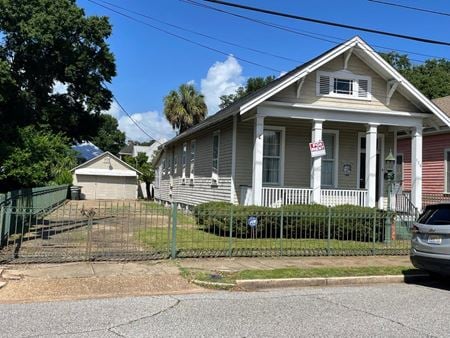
(185, 39)
(309, 34)
(330, 23)
(202, 34)
(410, 7)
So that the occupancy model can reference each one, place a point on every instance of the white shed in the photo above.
(106, 177)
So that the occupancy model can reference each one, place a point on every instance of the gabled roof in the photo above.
(359, 47)
(443, 103)
(106, 153)
(127, 150)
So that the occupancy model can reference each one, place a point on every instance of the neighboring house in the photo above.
(256, 151)
(436, 159)
(86, 151)
(106, 177)
(133, 150)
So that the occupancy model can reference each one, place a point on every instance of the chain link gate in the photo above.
(86, 230)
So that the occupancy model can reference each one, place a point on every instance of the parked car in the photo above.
(430, 244)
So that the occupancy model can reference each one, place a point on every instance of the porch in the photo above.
(351, 172)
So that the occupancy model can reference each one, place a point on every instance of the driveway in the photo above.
(399, 310)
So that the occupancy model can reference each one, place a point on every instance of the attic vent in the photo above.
(324, 85)
(363, 88)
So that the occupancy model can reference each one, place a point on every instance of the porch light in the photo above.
(389, 162)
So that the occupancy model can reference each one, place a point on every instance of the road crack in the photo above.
(374, 315)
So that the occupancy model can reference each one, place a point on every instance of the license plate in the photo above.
(434, 239)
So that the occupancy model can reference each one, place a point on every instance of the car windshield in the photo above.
(436, 215)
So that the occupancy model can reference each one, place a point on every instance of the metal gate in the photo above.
(86, 230)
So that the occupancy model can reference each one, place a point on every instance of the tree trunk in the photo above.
(147, 189)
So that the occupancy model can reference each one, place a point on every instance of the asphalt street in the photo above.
(389, 310)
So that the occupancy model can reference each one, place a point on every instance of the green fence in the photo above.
(141, 230)
(14, 205)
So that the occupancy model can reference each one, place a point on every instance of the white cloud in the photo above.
(154, 123)
(223, 78)
(114, 110)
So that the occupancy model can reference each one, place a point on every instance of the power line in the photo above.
(185, 39)
(203, 34)
(330, 23)
(303, 32)
(410, 7)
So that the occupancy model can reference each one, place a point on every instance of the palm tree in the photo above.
(184, 108)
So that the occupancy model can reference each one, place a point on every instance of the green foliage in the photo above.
(38, 159)
(109, 137)
(44, 43)
(252, 84)
(184, 108)
(140, 162)
(432, 77)
(346, 222)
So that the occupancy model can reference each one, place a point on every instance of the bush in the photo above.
(344, 222)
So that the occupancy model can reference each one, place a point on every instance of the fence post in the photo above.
(374, 231)
(329, 233)
(230, 238)
(281, 230)
(90, 215)
(173, 254)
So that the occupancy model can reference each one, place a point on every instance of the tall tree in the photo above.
(109, 137)
(252, 84)
(184, 108)
(47, 44)
(432, 77)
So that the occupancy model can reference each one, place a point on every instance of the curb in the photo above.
(213, 284)
(255, 284)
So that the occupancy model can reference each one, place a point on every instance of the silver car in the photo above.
(430, 244)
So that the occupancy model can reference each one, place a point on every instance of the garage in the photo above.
(106, 177)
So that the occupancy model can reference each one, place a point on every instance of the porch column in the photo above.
(316, 168)
(416, 167)
(371, 164)
(258, 147)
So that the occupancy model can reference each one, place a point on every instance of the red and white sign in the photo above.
(317, 149)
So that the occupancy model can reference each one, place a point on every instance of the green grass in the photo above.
(231, 277)
(182, 217)
(195, 239)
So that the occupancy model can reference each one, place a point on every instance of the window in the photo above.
(329, 160)
(343, 84)
(175, 164)
(272, 157)
(215, 159)
(183, 164)
(447, 170)
(399, 168)
(191, 168)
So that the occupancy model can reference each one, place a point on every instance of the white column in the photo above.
(316, 168)
(416, 167)
(258, 147)
(371, 164)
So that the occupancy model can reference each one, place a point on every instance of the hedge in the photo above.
(344, 222)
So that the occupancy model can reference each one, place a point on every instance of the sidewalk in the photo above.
(47, 282)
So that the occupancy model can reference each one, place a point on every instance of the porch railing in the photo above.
(276, 197)
(333, 197)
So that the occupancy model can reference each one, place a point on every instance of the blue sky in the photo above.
(151, 63)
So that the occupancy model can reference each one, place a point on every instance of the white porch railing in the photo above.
(276, 197)
(332, 197)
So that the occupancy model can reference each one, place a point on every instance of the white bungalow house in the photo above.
(257, 151)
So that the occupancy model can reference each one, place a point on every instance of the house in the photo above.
(133, 150)
(436, 159)
(106, 177)
(257, 150)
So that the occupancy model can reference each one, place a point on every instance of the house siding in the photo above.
(433, 162)
(201, 190)
(308, 93)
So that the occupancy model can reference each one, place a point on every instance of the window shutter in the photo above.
(324, 85)
(363, 88)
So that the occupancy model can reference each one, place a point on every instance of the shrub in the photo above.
(345, 222)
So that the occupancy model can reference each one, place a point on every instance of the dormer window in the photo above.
(344, 84)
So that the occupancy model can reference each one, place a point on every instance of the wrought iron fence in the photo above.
(138, 230)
